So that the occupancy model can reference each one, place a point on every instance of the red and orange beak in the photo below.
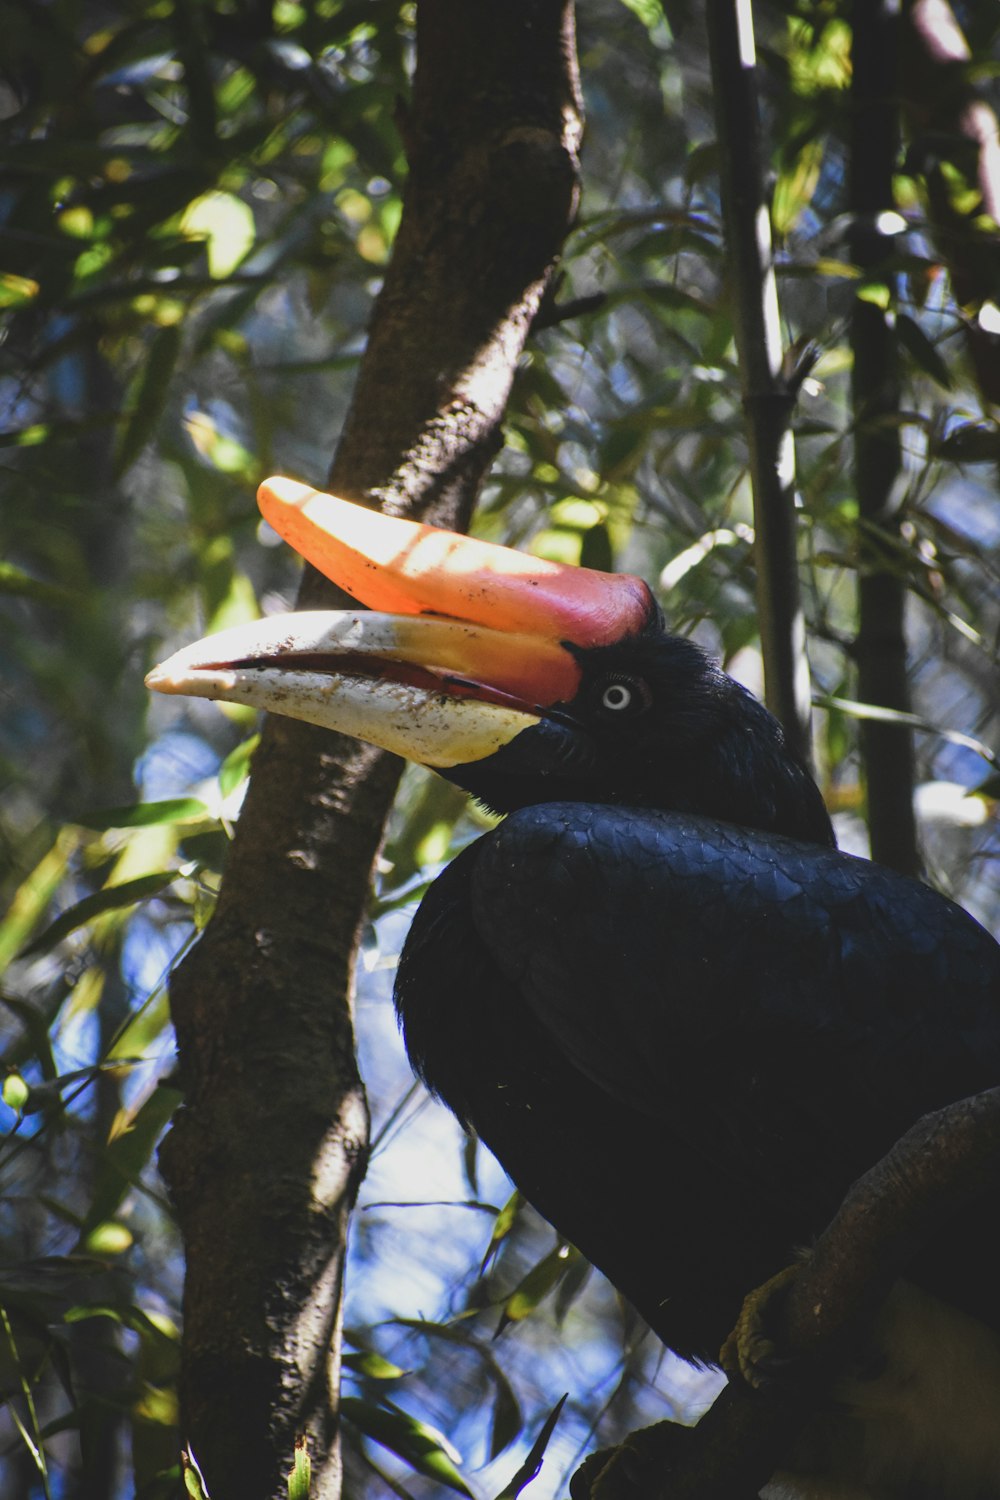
(467, 649)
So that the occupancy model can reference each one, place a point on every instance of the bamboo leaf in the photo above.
(111, 898)
(301, 1476)
(236, 766)
(527, 1471)
(14, 580)
(539, 1282)
(501, 1229)
(371, 1365)
(150, 397)
(507, 1421)
(146, 814)
(34, 895)
(124, 1158)
(920, 349)
(426, 1450)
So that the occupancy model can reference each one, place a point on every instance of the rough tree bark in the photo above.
(768, 398)
(880, 648)
(265, 1157)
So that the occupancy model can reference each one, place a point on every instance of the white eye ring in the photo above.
(617, 696)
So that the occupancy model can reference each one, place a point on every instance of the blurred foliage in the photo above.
(198, 201)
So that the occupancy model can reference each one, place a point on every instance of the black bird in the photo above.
(682, 1020)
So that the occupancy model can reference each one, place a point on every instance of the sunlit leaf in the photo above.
(236, 766)
(123, 1159)
(426, 1450)
(880, 714)
(795, 187)
(146, 814)
(157, 1405)
(502, 1227)
(226, 225)
(538, 1283)
(194, 1484)
(300, 1478)
(238, 606)
(15, 291)
(111, 898)
(875, 292)
(14, 580)
(650, 12)
(144, 1028)
(34, 895)
(372, 1366)
(109, 1238)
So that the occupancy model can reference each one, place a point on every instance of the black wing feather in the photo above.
(685, 1041)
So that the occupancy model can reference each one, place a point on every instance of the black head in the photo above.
(656, 723)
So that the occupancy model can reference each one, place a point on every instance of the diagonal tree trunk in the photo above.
(265, 1157)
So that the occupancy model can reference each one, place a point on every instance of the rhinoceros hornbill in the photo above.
(682, 1020)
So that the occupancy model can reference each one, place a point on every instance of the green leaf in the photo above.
(538, 1283)
(111, 898)
(882, 715)
(426, 1450)
(506, 1422)
(796, 186)
(300, 1477)
(571, 1286)
(226, 225)
(150, 397)
(14, 580)
(194, 1484)
(371, 1365)
(123, 1159)
(876, 293)
(526, 1473)
(502, 1227)
(236, 766)
(920, 349)
(34, 895)
(146, 814)
(650, 13)
(17, 291)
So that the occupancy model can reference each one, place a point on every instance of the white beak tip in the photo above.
(160, 680)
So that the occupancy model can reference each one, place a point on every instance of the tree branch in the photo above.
(767, 399)
(942, 102)
(266, 1156)
(887, 748)
(947, 1160)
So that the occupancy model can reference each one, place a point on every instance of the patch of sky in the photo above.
(174, 763)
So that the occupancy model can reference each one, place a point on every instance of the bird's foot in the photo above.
(752, 1351)
(636, 1467)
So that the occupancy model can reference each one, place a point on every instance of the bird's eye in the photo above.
(617, 696)
(622, 695)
